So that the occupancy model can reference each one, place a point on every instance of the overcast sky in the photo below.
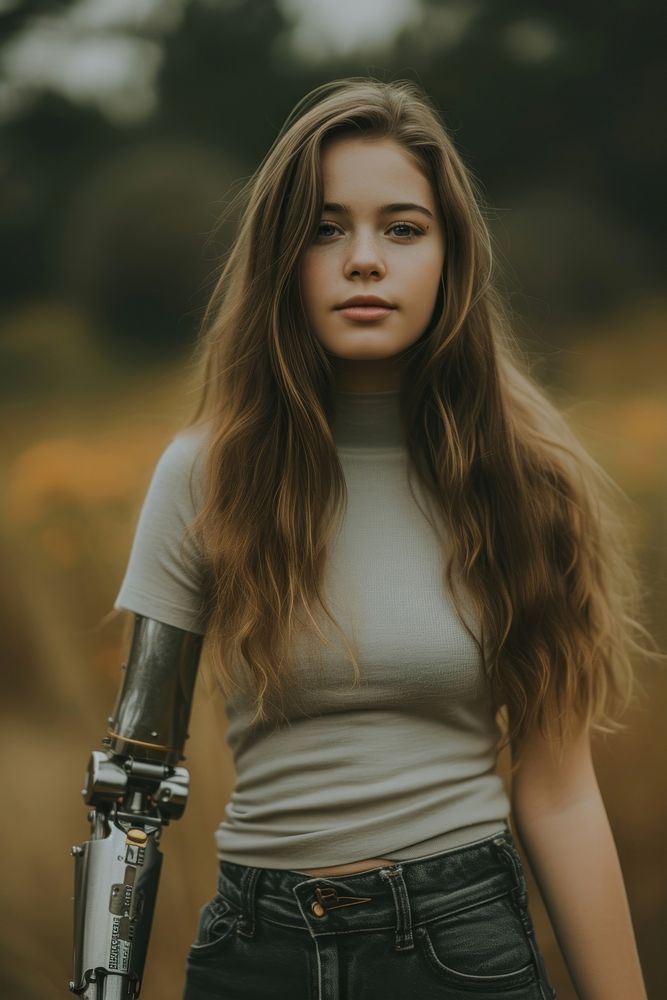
(337, 26)
(92, 54)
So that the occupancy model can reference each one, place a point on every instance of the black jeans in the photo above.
(454, 925)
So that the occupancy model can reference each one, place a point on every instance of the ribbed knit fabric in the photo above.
(402, 765)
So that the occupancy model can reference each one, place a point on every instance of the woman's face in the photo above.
(367, 244)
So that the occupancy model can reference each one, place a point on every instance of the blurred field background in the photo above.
(126, 128)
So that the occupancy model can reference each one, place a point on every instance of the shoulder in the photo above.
(181, 466)
(185, 448)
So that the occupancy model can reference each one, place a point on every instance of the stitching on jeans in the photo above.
(448, 850)
(389, 927)
(323, 933)
(498, 978)
(384, 927)
(403, 940)
(248, 889)
(462, 909)
(510, 854)
(199, 949)
(358, 930)
(319, 969)
(512, 859)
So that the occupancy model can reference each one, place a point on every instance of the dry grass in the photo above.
(75, 473)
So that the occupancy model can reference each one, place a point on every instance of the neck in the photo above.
(367, 376)
(370, 420)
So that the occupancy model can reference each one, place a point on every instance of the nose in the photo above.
(364, 257)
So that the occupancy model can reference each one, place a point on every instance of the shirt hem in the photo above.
(152, 607)
(458, 837)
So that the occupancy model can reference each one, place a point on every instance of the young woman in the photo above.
(370, 458)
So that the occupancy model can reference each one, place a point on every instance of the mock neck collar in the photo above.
(367, 420)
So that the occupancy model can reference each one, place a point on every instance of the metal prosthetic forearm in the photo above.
(135, 787)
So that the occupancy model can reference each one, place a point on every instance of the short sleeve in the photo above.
(166, 573)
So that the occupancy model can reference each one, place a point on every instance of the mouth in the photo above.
(362, 309)
(365, 314)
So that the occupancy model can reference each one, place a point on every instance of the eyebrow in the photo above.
(397, 206)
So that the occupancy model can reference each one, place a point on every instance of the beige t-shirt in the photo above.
(402, 766)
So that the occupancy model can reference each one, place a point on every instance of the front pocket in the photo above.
(217, 922)
(481, 946)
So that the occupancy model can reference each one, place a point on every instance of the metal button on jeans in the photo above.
(324, 895)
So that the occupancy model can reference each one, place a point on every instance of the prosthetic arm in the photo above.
(135, 787)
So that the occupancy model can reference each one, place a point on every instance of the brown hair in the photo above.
(538, 540)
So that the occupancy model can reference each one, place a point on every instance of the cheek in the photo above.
(424, 281)
(313, 284)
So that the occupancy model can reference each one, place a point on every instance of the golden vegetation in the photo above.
(75, 472)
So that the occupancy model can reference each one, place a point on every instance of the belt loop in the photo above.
(510, 856)
(246, 924)
(394, 876)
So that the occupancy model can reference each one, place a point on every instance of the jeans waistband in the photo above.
(396, 895)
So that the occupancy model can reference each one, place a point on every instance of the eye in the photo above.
(414, 230)
(324, 224)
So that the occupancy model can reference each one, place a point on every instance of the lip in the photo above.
(365, 301)
(365, 314)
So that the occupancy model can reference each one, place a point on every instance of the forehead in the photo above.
(357, 169)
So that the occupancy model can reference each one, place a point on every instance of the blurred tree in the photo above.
(554, 108)
(569, 91)
(218, 80)
(16, 16)
(46, 155)
(138, 248)
(559, 107)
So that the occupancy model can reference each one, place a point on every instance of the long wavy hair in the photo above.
(538, 540)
